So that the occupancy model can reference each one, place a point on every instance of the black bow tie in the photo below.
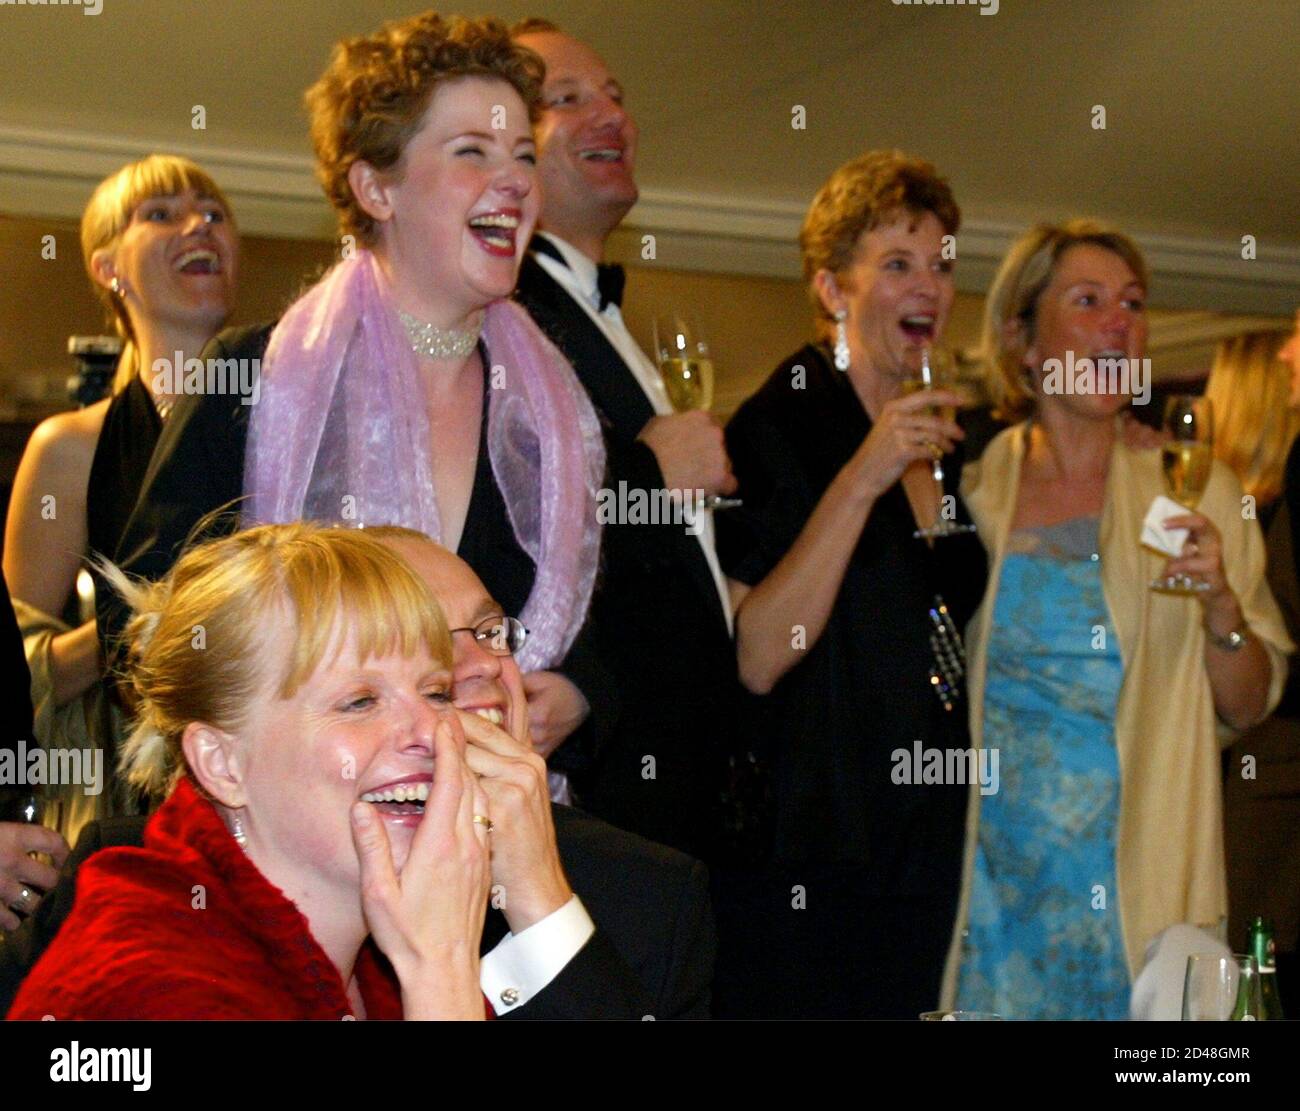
(610, 277)
(610, 280)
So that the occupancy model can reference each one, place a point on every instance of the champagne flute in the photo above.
(937, 372)
(1221, 989)
(1187, 458)
(682, 353)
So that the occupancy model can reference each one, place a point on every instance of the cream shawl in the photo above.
(1170, 864)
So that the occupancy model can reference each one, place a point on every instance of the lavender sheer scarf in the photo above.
(341, 434)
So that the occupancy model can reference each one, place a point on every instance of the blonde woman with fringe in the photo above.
(1257, 418)
(318, 798)
(1103, 699)
(160, 247)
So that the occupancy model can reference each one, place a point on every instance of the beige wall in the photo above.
(752, 322)
(43, 301)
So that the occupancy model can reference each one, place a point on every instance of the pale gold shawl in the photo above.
(1170, 864)
(86, 723)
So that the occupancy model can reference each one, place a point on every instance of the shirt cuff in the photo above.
(524, 963)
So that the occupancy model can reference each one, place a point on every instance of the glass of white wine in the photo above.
(683, 356)
(1187, 458)
(686, 366)
(937, 371)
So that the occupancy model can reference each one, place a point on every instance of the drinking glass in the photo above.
(1187, 457)
(682, 353)
(937, 371)
(686, 366)
(1221, 989)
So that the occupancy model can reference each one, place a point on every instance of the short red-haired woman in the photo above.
(851, 626)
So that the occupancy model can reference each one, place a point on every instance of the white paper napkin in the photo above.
(1166, 541)
(1158, 990)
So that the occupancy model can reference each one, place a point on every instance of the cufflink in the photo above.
(510, 996)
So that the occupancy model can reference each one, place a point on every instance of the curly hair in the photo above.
(867, 191)
(371, 99)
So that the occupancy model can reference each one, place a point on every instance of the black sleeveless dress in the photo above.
(126, 442)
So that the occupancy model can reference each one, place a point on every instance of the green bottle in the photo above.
(1261, 947)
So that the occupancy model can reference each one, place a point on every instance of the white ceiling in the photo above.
(1201, 144)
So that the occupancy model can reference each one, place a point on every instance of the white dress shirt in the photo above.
(578, 279)
(523, 964)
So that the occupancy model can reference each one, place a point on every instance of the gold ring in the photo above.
(483, 820)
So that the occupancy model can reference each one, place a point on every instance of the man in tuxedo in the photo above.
(661, 617)
(636, 941)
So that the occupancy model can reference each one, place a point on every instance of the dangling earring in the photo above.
(237, 831)
(841, 341)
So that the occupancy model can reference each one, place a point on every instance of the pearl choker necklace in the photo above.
(433, 342)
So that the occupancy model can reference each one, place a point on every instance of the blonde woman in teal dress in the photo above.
(1103, 698)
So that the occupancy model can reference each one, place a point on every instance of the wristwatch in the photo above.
(1230, 643)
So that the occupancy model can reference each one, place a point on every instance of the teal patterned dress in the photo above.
(1043, 938)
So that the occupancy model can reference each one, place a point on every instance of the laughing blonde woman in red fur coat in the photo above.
(285, 674)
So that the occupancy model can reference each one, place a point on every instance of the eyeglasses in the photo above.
(502, 636)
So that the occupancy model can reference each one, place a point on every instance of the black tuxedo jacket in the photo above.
(651, 954)
(656, 620)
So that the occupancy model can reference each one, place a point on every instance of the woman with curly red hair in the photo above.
(405, 387)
